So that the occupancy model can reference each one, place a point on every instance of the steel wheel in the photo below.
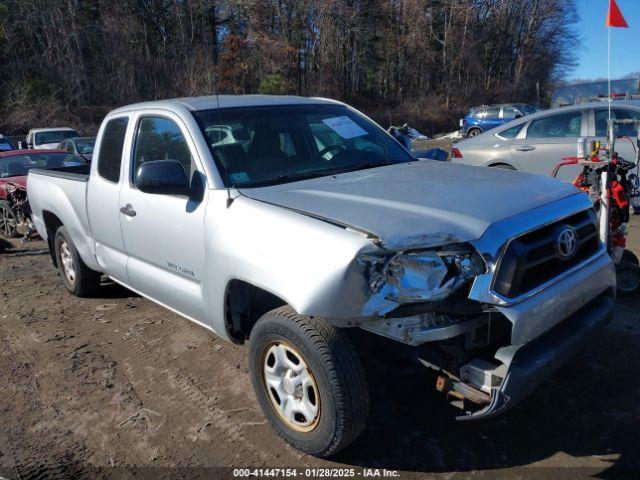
(67, 262)
(291, 386)
(8, 221)
(308, 380)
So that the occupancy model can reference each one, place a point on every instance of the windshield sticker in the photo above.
(239, 177)
(344, 126)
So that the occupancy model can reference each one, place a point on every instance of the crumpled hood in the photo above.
(424, 203)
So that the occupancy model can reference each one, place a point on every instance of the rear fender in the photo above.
(68, 206)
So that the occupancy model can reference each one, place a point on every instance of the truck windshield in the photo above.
(258, 146)
(54, 136)
(17, 165)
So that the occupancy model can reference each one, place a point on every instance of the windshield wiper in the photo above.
(282, 179)
(287, 177)
(366, 165)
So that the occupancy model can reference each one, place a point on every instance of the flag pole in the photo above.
(609, 69)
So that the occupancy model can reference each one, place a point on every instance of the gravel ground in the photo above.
(117, 386)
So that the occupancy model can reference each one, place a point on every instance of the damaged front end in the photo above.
(421, 300)
(411, 277)
(16, 213)
(489, 350)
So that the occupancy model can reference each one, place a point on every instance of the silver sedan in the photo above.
(536, 143)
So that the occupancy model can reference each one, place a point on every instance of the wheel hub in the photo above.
(288, 382)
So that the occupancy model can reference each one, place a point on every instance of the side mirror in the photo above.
(162, 177)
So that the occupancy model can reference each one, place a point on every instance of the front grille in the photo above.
(533, 259)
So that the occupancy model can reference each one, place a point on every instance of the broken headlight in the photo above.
(423, 276)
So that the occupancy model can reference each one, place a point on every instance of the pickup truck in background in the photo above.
(316, 228)
(48, 138)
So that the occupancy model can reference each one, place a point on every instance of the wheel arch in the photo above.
(244, 304)
(51, 223)
(502, 164)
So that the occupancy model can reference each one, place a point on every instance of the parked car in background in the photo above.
(6, 144)
(227, 135)
(406, 136)
(486, 117)
(15, 214)
(82, 146)
(319, 229)
(49, 138)
(538, 142)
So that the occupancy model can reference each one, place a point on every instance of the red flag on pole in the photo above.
(614, 16)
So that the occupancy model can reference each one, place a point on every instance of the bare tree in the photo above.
(385, 55)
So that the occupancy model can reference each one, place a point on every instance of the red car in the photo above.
(15, 214)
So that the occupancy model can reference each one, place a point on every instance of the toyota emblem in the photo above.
(567, 243)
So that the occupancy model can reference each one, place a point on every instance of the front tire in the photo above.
(474, 132)
(76, 276)
(309, 381)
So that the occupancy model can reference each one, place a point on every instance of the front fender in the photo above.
(308, 263)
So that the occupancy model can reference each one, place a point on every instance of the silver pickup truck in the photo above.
(301, 226)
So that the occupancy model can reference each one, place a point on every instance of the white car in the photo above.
(49, 138)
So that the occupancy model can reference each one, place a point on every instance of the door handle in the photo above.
(525, 148)
(128, 210)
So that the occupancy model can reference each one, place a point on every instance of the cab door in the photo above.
(103, 198)
(547, 140)
(164, 233)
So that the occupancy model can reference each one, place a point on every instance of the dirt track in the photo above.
(90, 385)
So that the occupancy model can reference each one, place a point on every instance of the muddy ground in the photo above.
(119, 387)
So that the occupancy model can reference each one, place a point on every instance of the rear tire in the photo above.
(332, 394)
(474, 132)
(76, 276)
(8, 220)
(628, 279)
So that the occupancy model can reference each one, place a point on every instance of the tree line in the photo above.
(421, 60)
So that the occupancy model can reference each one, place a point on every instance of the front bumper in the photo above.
(531, 364)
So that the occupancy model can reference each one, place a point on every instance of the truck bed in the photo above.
(79, 173)
(61, 194)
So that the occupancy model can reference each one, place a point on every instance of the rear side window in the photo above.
(510, 133)
(602, 116)
(492, 112)
(110, 154)
(626, 130)
(556, 126)
(510, 112)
